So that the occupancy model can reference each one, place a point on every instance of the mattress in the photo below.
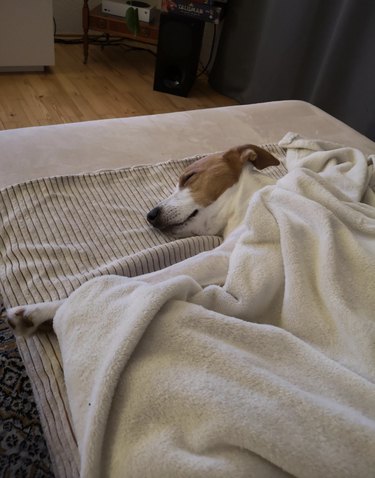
(73, 201)
(30, 153)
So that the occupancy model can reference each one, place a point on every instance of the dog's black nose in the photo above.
(152, 216)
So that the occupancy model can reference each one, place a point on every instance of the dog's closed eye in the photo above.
(185, 179)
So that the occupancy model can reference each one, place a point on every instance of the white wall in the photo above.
(26, 34)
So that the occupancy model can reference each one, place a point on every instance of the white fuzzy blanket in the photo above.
(256, 359)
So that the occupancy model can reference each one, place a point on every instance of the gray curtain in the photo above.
(320, 51)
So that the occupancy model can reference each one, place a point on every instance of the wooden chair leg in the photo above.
(85, 25)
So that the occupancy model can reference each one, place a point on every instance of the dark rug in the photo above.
(23, 450)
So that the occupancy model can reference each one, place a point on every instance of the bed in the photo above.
(146, 390)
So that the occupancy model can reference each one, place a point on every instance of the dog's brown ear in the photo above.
(250, 152)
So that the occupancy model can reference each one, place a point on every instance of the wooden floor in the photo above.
(114, 83)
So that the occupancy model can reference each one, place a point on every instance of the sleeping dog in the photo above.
(211, 197)
(213, 193)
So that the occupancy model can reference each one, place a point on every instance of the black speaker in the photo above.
(179, 47)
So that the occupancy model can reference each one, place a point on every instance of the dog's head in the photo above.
(197, 205)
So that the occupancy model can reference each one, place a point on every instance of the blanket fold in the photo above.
(266, 369)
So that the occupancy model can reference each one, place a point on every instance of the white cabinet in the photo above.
(26, 35)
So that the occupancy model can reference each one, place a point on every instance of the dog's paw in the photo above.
(21, 320)
(26, 319)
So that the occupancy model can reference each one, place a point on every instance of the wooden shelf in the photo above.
(116, 26)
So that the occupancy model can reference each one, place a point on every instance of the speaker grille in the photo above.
(179, 46)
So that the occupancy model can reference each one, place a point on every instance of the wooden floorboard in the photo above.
(114, 83)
